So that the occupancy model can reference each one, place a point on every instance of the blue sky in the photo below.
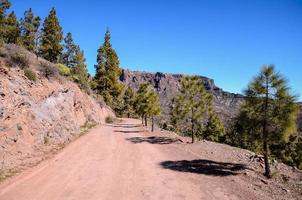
(225, 40)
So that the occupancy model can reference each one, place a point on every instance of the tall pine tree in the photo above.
(29, 29)
(51, 47)
(271, 109)
(108, 72)
(12, 29)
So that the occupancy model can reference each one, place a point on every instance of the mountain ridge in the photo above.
(226, 104)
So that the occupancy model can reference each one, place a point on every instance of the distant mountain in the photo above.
(226, 104)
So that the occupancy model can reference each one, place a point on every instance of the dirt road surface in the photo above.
(123, 162)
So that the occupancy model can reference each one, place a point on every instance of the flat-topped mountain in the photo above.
(226, 104)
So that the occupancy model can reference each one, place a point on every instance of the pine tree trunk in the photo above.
(143, 119)
(268, 172)
(192, 132)
(128, 115)
(146, 123)
(152, 129)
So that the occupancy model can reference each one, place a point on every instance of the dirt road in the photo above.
(123, 162)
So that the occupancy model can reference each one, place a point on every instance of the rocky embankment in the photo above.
(167, 85)
(37, 116)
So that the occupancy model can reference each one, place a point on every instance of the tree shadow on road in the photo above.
(121, 131)
(207, 167)
(127, 125)
(153, 140)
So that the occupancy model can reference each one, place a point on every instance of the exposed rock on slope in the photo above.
(167, 85)
(41, 113)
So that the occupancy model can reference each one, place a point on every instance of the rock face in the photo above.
(167, 85)
(34, 114)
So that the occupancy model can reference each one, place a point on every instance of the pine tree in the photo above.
(271, 109)
(108, 72)
(214, 128)
(190, 105)
(68, 57)
(4, 5)
(29, 30)
(51, 47)
(12, 29)
(141, 101)
(153, 107)
(79, 71)
(129, 98)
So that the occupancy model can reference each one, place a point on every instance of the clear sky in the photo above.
(225, 40)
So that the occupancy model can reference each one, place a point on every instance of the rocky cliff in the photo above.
(37, 115)
(167, 85)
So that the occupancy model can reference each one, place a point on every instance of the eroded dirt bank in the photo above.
(39, 116)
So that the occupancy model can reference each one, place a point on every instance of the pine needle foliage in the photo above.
(29, 29)
(270, 110)
(191, 105)
(69, 55)
(79, 71)
(129, 98)
(4, 6)
(214, 129)
(51, 47)
(12, 34)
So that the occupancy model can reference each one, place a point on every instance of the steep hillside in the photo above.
(167, 85)
(37, 116)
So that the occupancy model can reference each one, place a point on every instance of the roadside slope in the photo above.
(39, 116)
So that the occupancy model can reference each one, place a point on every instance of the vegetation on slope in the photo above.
(265, 124)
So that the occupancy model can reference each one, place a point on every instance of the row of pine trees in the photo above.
(266, 122)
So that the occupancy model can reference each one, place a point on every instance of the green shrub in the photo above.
(109, 119)
(30, 74)
(20, 59)
(63, 70)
